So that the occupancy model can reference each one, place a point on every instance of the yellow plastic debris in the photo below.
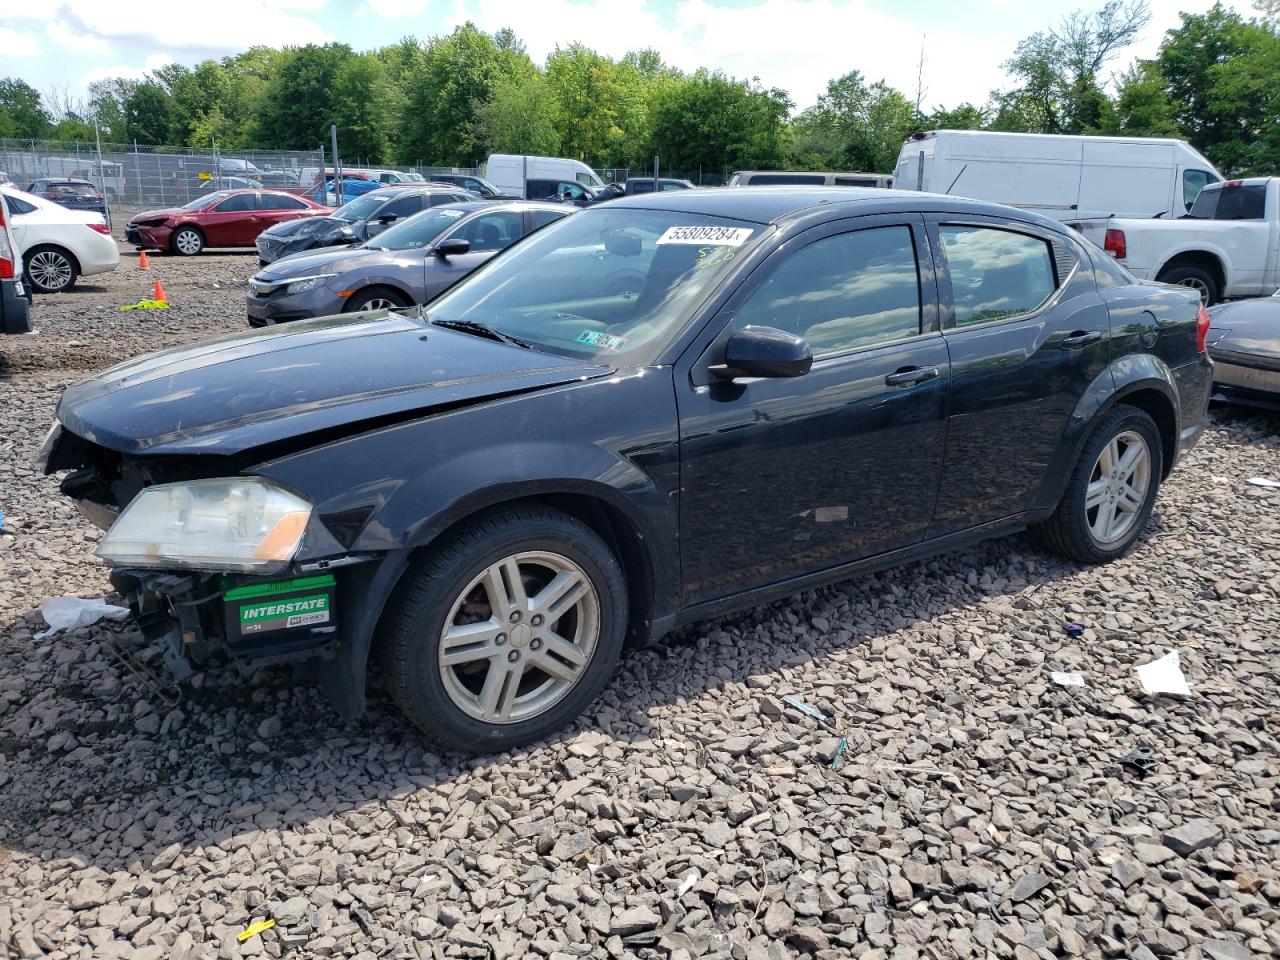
(146, 305)
(254, 929)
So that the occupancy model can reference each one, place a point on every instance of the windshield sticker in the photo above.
(714, 256)
(605, 341)
(722, 236)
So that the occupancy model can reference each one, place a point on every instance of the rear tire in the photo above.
(375, 298)
(1103, 511)
(464, 652)
(187, 242)
(1198, 279)
(50, 269)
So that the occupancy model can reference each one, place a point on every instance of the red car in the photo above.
(224, 218)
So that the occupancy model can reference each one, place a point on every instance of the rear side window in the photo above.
(996, 273)
(767, 179)
(841, 292)
(855, 181)
(241, 201)
(280, 201)
(542, 217)
(1243, 202)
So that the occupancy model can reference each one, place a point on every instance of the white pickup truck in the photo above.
(1228, 245)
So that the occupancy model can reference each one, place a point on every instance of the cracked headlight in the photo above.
(242, 524)
(308, 283)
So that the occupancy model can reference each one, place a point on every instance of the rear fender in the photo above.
(1124, 377)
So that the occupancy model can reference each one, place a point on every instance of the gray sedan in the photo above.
(412, 262)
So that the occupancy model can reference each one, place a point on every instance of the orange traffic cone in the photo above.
(157, 292)
(143, 262)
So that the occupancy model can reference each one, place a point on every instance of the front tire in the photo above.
(375, 298)
(1111, 491)
(507, 632)
(187, 242)
(50, 269)
(1198, 279)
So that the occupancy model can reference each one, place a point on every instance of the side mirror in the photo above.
(452, 247)
(764, 352)
(388, 218)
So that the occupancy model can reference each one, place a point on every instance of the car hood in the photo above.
(1249, 328)
(164, 213)
(308, 263)
(314, 377)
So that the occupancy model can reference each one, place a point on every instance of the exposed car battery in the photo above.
(280, 616)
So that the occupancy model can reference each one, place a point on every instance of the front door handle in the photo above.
(909, 375)
(1082, 338)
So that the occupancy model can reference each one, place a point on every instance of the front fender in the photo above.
(392, 491)
(1124, 376)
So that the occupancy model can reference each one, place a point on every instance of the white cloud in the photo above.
(63, 37)
(175, 28)
(395, 8)
(18, 43)
(153, 62)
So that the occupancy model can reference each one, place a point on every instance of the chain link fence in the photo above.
(137, 176)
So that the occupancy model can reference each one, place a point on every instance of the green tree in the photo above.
(713, 123)
(22, 113)
(519, 118)
(297, 108)
(964, 117)
(449, 83)
(1057, 70)
(195, 94)
(146, 114)
(588, 93)
(854, 126)
(362, 108)
(1143, 107)
(107, 99)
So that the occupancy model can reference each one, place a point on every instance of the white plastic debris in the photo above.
(1163, 675)
(1067, 679)
(67, 613)
(1264, 482)
(687, 883)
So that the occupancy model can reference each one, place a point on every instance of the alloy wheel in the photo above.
(1118, 487)
(519, 637)
(49, 270)
(378, 303)
(188, 242)
(1198, 285)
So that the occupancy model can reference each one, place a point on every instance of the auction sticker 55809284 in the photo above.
(702, 236)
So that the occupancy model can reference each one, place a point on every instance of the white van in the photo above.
(1063, 177)
(540, 178)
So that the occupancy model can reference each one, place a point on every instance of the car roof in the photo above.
(62, 180)
(782, 203)
(518, 205)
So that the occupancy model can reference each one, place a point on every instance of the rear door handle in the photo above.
(909, 375)
(1082, 339)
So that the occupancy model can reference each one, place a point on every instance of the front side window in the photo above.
(996, 273)
(1193, 181)
(418, 231)
(610, 284)
(842, 292)
(359, 208)
(491, 231)
(401, 207)
(199, 203)
(237, 203)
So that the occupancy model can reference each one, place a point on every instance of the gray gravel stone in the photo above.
(1192, 836)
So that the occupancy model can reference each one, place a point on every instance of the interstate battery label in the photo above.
(283, 614)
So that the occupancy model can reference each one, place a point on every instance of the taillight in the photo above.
(6, 253)
(1114, 244)
(101, 228)
(1202, 329)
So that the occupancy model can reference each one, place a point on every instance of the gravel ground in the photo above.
(978, 809)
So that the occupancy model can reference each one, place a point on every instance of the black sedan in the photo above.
(362, 219)
(1245, 346)
(649, 413)
(70, 192)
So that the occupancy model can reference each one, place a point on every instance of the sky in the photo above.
(795, 44)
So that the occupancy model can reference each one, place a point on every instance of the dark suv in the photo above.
(70, 192)
(355, 222)
(654, 411)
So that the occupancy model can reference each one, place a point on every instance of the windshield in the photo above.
(359, 208)
(200, 203)
(613, 284)
(418, 231)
